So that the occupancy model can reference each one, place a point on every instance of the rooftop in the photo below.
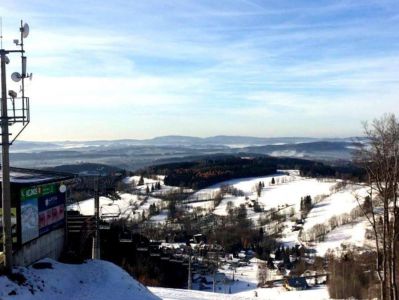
(27, 176)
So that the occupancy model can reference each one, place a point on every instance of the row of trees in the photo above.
(351, 275)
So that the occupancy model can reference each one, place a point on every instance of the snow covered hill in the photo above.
(333, 209)
(95, 279)
(285, 196)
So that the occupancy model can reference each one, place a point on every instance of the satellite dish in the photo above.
(25, 30)
(62, 188)
(12, 94)
(16, 77)
(7, 60)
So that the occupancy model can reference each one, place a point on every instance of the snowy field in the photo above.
(245, 184)
(348, 234)
(161, 218)
(335, 205)
(290, 193)
(287, 190)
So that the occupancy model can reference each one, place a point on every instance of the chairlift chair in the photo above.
(110, 215)
(154, 251)
(165, 257)
(125, 237)
(142, 247)
(105, 226)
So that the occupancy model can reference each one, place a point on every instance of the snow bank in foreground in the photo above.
(94, 279)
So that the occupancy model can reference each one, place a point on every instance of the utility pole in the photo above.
(189, 268)
(17, 115)
(5, 168)
(96, 239)
(214, 280)
(215, 269)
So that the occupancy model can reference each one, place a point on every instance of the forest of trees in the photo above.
(213, 169)
(207, 172)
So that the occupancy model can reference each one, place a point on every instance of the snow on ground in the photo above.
(161, 218)
(245, 184)
(289, 237)
(221, 209)
(206, 205)
(86, 207)
(348, 234)
(337, 204)
(98, 280)
(290, 193)
(288, 190)
(94, 279)
(264, 294)
(243, 287)
(129, 206)
(136, 179)
(107, 205)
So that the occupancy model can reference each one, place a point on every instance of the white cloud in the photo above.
(222, 65)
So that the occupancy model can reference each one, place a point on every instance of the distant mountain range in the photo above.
(178, 140)
(133, 154)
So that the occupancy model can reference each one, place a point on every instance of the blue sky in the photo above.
(139, 69)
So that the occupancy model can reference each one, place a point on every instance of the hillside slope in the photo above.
(94, 279)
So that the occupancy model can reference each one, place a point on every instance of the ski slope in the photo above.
(336, 204)
(287, 190)
(346, 235)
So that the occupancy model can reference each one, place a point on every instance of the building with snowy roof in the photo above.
(38, 201)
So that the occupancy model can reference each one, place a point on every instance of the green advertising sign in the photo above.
(38, 191)
(42, 210)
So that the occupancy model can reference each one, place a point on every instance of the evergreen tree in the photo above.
(273, 181)
(259, 189)
(141, 180)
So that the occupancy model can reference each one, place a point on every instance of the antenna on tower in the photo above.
(1, 32)
(18, 113)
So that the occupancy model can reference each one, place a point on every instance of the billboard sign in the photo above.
(42, 210)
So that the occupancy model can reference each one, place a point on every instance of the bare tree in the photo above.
(380, 158)
(262, 274)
